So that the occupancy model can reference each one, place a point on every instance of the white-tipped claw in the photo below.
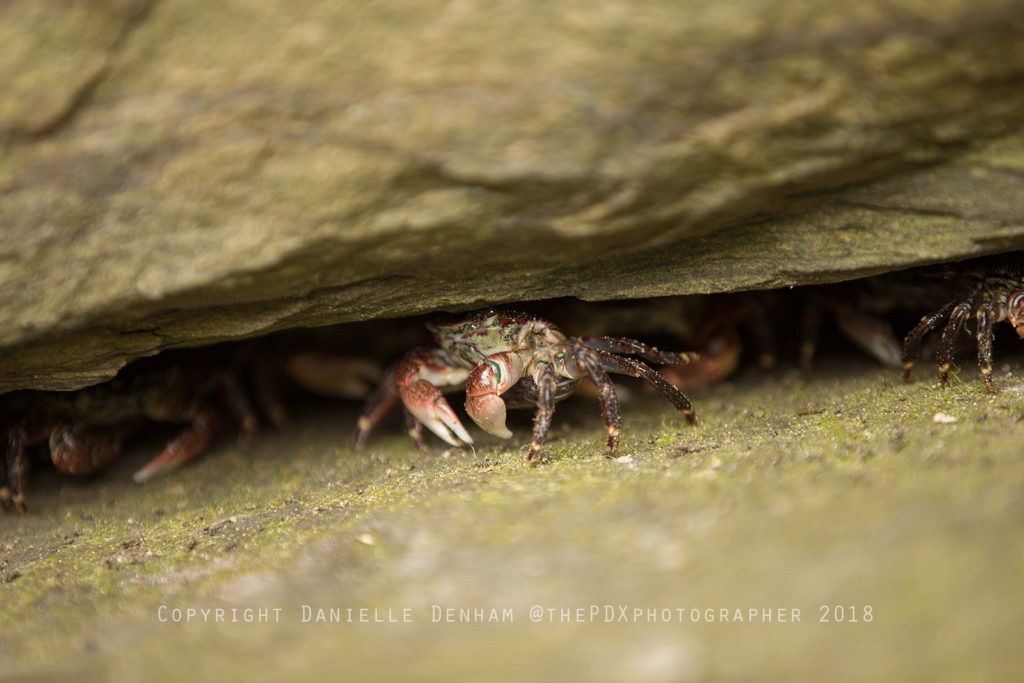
(438, 417)
(492, 377)
(488, 411)
(165, 462)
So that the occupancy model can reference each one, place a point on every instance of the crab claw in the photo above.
(871, 334)
(429, 406)
(489, 412)
(492, 377)
(78, 451)
(1015, 311)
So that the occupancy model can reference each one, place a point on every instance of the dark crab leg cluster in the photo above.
(996, 297)
(598, 356)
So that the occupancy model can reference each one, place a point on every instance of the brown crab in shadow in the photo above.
(83, 431)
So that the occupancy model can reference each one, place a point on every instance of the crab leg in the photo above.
(631, 346)
(415, 429)
(985, 315)
(912, 342)
(15, 474)
(759, 324)
(266, 383)
(609, 403)
(545, 409)
(491, 378)
(240, 407)
(947, 342)
(628, 366)
(377, 405)
(810, 331)
(187, 445)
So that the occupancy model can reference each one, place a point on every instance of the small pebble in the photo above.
(943, 418)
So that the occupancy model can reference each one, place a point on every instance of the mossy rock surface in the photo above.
(175, 174)
(839, 494)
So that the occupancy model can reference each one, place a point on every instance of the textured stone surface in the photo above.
(835, 489)
(187, 172)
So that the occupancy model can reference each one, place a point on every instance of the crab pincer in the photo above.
(491, 378)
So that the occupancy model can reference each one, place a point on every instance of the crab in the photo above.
(509, 359)
(997, 294)
(275, 370)
(84, 430)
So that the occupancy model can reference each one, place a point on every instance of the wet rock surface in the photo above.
(180, 174)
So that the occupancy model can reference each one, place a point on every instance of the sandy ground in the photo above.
(839, 525)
